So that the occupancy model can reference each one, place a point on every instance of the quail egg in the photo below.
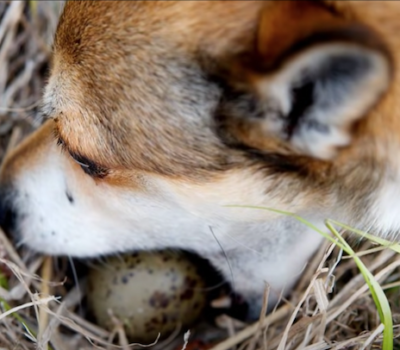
(148, 292)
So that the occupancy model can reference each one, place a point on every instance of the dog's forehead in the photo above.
(126, 85)
(142, 23)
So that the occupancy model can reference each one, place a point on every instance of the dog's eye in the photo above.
(88, 166)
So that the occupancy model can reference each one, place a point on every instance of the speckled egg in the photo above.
(150, 293)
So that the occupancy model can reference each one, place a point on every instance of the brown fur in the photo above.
(100, 98)
(109, 101)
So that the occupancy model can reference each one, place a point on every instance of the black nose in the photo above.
(7, 214)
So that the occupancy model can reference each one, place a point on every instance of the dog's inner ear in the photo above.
(311, 76)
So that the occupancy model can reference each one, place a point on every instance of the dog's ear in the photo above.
(309, 77)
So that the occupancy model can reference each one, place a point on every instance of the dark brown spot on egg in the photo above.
(186, 295)
(149, 328)
(124, 279)
(190, 282)
(159, 300)
(154, 320)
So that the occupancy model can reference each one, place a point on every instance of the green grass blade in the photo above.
(33, 4)
(383, 242)
(377, 293)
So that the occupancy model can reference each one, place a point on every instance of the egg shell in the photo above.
(150, 293)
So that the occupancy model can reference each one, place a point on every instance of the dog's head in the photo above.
(164, 113)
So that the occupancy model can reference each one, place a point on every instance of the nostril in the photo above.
(7, 216)
(8, 221)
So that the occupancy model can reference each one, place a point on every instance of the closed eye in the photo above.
(89, 167)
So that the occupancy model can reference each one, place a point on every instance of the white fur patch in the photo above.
(384, 214)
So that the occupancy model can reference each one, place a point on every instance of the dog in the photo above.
(169, 121)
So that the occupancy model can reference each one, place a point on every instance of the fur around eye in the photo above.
(88, 166)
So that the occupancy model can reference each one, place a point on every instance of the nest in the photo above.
(330, 308)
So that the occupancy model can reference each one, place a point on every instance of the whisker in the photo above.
(241, 244)
(20, 243)
(226, 257)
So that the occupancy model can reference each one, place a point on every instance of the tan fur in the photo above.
(81, 99)
(137, 88)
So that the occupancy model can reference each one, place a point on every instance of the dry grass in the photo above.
(331, 308)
